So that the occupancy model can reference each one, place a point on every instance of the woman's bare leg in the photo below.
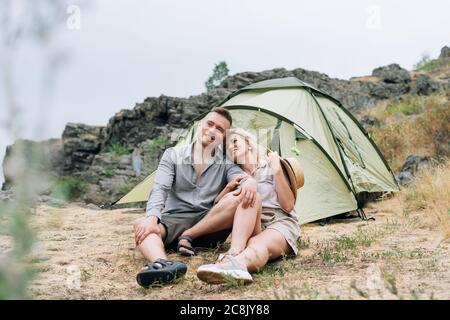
(258, 228)
(267, 245)
(219, 218)
(244, 225)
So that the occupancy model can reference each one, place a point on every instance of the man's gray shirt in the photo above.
(178, 189)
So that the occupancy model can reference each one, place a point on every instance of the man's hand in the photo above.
(145, 227)
(247, 192)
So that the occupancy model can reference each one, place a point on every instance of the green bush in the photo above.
(118, 149)
(68, 188)
(427, 64)
(408, 107)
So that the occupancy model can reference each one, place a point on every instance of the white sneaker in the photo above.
(220, 273)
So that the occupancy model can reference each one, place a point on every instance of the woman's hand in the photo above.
(234, 183)
(273, 160)
(285, 196)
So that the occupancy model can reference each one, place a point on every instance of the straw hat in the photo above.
(294, 171)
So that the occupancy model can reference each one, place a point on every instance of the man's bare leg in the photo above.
(152, 248)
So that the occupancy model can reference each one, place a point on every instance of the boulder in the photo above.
(403, 178)
(445, 53)
(369, 121)
(392, 73)
(412, 165)
(424, 85)
(30, 158)
(389, 90)
(415, 163)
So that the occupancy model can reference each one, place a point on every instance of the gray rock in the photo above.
(415, 163)
(445, 53)
(389, 90)
(80, 145)
(6, 195)
(392, 73)
(27, 157)
(157, 117)
(95, 194)
(125, 160)
(104, 159)
(354, 95)
(176, 134)
(403, 178)
(111, 185)
(411, 167)
(369, 121)
(425, 85)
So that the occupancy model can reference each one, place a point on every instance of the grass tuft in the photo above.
(68, 188)
(429, 65)
(118, 149)
(108, 171)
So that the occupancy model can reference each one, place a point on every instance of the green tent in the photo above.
(339, 159)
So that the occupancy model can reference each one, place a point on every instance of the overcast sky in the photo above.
(128, 50)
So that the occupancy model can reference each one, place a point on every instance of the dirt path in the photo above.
(90, 254)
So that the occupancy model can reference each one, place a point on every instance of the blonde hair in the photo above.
(251, 140)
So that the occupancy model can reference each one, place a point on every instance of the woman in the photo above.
(276, 230)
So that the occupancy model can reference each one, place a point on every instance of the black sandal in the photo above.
(160, 271)
(187, 247)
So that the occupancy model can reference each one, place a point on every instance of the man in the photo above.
(187, 181)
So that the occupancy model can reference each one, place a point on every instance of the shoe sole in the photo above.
(148, 278)
(213, 277)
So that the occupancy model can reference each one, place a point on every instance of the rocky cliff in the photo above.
(101, 155)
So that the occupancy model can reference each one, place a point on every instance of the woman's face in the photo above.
(237, 148)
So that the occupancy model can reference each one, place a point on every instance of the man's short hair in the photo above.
(224, 113)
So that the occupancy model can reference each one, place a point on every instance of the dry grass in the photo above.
(345, 259)
(417, 125)
(428, 197)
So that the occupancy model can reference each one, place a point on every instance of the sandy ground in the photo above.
(90, 254)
